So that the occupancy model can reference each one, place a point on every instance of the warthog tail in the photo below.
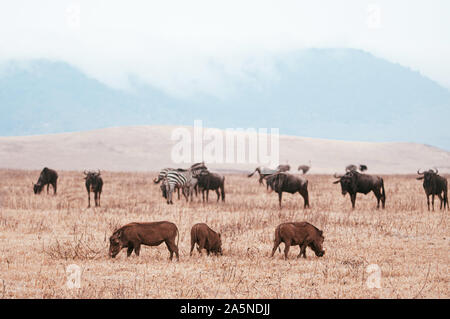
(277, 238)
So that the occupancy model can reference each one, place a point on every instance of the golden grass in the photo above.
(41, 235)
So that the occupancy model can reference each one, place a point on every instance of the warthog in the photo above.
(302, 234)
(205, 238)
(47, 177)
(133, 235)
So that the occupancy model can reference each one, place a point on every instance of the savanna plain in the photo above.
(41, 235)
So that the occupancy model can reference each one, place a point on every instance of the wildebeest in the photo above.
(47, 177)
(304, 168)
(352, 167)
(433, 184)
(354, 182)
(94, 183)
(285, 182)
(283, 168)
(263, 172)
(211, 181)
(205, 238)
(302, 234)
(133, 235)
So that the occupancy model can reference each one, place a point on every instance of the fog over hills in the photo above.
(149, 148)
(342, 94)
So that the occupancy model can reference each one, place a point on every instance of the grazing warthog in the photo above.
(133, 235)
(47, 177)
(263, 172)
(433, 184)
(205, 238)
(211, 181)
(302, 234)
(353, 182)
(285, 182)
(94, 183)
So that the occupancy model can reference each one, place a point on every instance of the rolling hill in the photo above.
(149, 148)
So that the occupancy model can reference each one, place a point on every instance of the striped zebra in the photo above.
(182, 179)
(162, 174)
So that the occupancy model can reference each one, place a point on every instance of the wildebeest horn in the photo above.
(84, 172)
(336, 176)
(436, 170)
(418, 172)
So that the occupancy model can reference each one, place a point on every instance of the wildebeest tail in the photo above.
(446, 195)
(382, 189)
(250, 175)
(446, 200)
(222, 188)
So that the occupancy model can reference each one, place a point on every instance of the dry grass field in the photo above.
(41, 235)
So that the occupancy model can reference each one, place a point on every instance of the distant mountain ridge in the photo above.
(325, 93)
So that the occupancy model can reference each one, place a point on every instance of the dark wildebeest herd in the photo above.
(198, 178)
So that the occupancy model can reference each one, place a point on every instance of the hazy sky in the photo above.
(180, 45)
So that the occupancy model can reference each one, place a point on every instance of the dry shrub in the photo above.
(77, 248)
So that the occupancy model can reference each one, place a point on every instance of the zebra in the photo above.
(162, 174)
(182, 178)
